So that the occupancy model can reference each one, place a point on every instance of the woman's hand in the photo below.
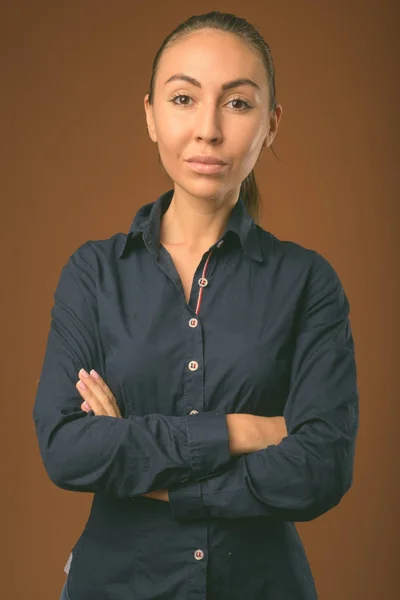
(97, 395)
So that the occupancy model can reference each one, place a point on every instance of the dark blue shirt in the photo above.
(267, 332)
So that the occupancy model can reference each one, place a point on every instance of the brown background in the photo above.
(77, 163)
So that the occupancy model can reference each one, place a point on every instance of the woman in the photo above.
(199, 376)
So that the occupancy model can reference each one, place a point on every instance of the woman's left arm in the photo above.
(310, 470)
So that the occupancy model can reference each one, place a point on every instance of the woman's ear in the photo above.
(150, 119)
(274, 123)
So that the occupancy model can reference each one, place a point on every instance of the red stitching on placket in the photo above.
(201, 289)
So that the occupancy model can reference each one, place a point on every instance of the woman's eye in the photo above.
(236, 100)
(246, 104)
(179, 96)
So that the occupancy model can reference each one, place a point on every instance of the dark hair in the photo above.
(247, 33)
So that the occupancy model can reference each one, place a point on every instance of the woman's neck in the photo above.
(195, 223)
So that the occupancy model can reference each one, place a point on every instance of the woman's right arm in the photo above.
(89, 453)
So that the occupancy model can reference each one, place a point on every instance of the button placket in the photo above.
(203, 282)
(193, 322)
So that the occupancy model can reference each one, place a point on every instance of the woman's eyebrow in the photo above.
(225, 86)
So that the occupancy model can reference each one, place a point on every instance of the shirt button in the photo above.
(199, 554)
(193, 365)
(203, 282)
(193, 322)
(194, 412)
(220, 243)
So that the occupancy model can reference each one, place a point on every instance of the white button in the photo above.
(194, 412)
(203, 282)
(193, 322)
(193, 365)
(220, 243)
(199, 554)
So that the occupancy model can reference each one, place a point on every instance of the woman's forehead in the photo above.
(211, 54)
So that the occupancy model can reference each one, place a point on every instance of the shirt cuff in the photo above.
(186, 502)
(208, 442)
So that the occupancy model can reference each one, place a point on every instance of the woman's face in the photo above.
(188, 119)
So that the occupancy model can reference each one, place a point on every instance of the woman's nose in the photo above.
(208, 125)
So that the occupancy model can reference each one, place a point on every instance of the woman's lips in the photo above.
(206, 168)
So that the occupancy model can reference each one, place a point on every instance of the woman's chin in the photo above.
(206, 186)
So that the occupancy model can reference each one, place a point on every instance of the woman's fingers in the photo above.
(97, 394)
(90, 398)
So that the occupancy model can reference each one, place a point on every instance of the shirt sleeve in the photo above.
(310, 470)
(119, 456)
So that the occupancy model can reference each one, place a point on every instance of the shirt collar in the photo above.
(148, 220)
